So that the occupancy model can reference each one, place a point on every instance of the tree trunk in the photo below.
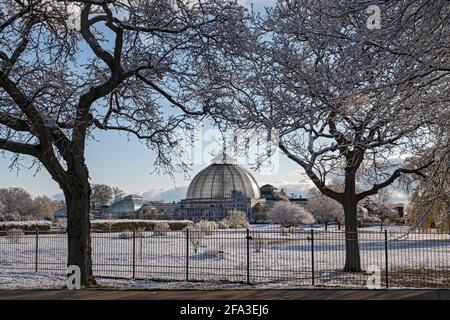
(350, 202)
(79, 228)
(352, 255)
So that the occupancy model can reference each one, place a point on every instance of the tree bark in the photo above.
(77, 195)
(350, 202)
(352, 255)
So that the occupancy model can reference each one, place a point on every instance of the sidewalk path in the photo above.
(311, 294)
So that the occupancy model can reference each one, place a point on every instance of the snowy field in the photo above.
(274, 259)
(32, 280)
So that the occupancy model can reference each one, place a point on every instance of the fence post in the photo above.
(187, 254)
(386, 257)
(312, 257)
(248, 256)
(134, 253)
(36, 252)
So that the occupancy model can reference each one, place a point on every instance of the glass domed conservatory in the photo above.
(218, 188)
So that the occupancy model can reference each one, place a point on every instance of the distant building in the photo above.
(60, 216)
(127, 207)
(374, 208)
(219, 188)
(212, 193)
(97, 214)
(399, 208)
(272, 195)
(400, 211)
(159, 210)
(299, 200)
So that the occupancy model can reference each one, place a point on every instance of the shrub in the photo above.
(177, 225)
(369, 220)
(25, 218)
(161, 229)
(207, 227)
(26, 226)
(12, 217)
(289, 214)
(323, 208)
(222, 224)
(136, 224)
(260, 212)
(236, 220)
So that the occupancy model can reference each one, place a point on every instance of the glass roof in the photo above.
(129, 204)
(223, 180)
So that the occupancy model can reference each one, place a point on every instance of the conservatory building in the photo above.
(218, 188)
(126, 208)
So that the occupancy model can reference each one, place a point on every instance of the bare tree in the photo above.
(289, 214)
(348, 102)
(382, 198)
(196, 235)
(236, 219)
(15, 201)
(101, 195)
(43, 207)
(430, 193)
(69, 68)
(323, 208)
(118, 194)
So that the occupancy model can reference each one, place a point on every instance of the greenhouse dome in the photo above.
(223, 180)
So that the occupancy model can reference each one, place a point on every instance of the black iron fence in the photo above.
(291, 256)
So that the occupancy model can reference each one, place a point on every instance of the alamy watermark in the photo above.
(256, 148)
(73, 277)
(374, 20)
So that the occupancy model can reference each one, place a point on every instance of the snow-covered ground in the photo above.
(275, 258)
(32, 280)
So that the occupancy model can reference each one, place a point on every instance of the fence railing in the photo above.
(295, 257)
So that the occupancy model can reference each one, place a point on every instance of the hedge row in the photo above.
(125, 224)
(29, 226)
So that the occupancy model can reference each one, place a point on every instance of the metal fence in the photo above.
(295, 257)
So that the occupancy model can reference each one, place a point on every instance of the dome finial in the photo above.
(224, 153)
(223, 158)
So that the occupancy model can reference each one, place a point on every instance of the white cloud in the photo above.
(166, 194)
(300, 185)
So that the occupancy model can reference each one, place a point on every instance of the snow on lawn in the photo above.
(32, 280)
(276, 258)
